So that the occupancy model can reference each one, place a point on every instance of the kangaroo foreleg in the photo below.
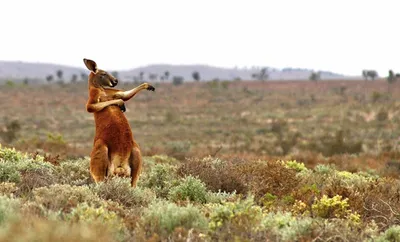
(126, 95)
(95, 107)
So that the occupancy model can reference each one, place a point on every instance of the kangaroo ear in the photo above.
(91, 65)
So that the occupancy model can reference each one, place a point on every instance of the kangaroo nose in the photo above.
(116, 81)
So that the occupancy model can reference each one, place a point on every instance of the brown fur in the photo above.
(114, 152)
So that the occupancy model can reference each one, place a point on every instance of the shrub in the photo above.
(119, 190)
(219, 197)
(74, 172)
(268, 200)
(323, 169)
(178, 149)
(382, 115)
(243, 214)
(342, 142)
(380, 202)
(161, 178)
(34, 209)
(298, 166)
(284, 227)
(334, 207)
(28, 172)
(341, 230)
(242, 176)
(163, 217)
(356, 179)
(218, 175)
(391, 234)
(84, 213)
(34, 179)
(9, 173)
(190, 188)
(231, 220)
(7, 188)
(8, 208)
(22, 161)
(64, 197)
(10, 133)
(262, 177)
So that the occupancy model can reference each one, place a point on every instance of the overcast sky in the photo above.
(340, 36)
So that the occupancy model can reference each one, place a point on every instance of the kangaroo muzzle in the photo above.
(114, 82)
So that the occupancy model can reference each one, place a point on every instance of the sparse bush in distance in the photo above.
(315, 76)
(49, 78)
(177, 80)
(60, 75)
(196, 76)
(10, 132)
(369, 74)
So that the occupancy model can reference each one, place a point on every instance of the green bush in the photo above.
(219, 197)
(285, 227)
(163, 217)
(9, 208)
(74, 172)
(323, 169)
(239, 216)
(119, 190)
(19, 167)
(298, 166)
(14, 156)
(9, 173)
(64, 197)
(190, 188)
(85, 213)
(161, 178)
(391, 234)
(335, 207)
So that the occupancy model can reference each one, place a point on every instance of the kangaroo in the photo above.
(114, 152)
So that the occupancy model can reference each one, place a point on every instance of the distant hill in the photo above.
(38, 71)
(22, 70)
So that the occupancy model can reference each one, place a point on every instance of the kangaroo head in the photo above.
(100, 77)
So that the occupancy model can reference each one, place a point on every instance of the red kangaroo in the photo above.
(114, 152)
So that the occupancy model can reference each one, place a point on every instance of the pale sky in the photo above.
(339, 36)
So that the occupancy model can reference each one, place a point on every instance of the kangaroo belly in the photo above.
(113, 128)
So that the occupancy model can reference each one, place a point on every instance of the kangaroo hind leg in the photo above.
(99, 161)
(136, 165)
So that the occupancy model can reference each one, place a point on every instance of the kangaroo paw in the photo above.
(123, 108)
(151, 88)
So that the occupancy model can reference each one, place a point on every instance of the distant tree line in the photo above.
(369, 74)
(60, 77)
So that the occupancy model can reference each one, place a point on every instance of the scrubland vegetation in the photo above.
(223, 161)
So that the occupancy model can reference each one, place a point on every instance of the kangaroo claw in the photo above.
(123, 108)
(151, 88)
